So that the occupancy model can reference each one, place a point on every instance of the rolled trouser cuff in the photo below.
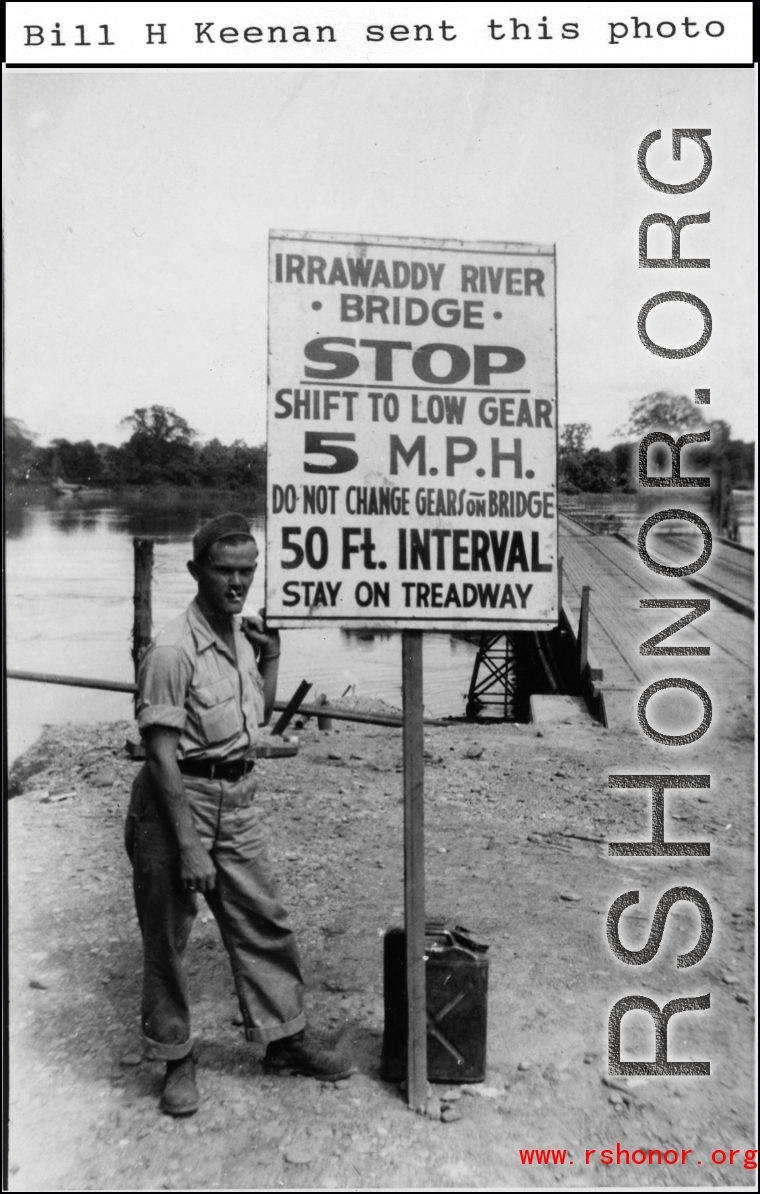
(159, 1051)
(262, 1036)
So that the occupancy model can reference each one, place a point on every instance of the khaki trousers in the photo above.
(253, 923)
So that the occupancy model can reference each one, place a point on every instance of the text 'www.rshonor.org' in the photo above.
(639, 1157)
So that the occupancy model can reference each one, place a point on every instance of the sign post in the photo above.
(412, 448)
(414, 867)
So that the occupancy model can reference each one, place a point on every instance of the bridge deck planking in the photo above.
(618, 626)
(612, 559)
(729, 570)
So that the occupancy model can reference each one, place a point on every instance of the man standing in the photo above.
(205, 686)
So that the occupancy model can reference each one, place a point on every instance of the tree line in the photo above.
(590, 470)
(162, 450)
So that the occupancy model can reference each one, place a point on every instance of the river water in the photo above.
(69, 584)
(632, 509)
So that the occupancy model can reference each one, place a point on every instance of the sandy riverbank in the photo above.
(514, 824)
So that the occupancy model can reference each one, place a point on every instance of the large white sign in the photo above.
(412, 433)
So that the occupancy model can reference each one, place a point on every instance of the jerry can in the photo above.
(456, 983)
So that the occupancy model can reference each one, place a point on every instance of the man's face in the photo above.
(225, 575)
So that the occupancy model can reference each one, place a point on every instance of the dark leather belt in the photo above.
(231, 771)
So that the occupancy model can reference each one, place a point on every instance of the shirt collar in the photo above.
(203, 633)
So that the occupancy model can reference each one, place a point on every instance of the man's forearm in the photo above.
(169, 790)
(196, 868)
(268, 669)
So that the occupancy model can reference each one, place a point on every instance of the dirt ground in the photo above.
(516, 820)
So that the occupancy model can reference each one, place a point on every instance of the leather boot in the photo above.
(303, 1054)
(180, 1093)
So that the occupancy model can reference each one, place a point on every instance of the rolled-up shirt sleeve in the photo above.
(163, 682)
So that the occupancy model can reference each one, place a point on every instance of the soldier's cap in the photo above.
(222, 527)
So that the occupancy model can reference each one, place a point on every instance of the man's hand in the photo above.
(266, 642)
(196, 870)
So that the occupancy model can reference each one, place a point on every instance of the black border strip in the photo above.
(88, 66)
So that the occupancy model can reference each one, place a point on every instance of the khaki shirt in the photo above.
(189, 681)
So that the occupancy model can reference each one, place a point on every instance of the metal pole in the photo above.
(323, 723)
(414, 868)
(583, 631)
(71, 681)
(290, 710)
(142, 627)
(371, 719)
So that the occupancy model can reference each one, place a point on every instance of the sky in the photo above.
(137, 209)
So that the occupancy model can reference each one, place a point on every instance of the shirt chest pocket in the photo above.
(216, 709)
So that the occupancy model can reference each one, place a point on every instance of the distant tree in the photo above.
(213, 465)
(19, 452)
(588, 472)
(248, 467)
(740, 457)
(727, 462)
(622, 467)
(160, 449)
(77, 462)
(161, 424)
(573, 436)
(598, 475)
(665, 411)
(676, 415)
(572, 443)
